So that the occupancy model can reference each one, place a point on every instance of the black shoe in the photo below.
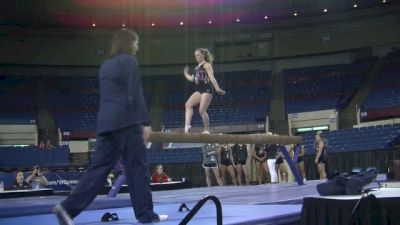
(62, 215)
(109, 217)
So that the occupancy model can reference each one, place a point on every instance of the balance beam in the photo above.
(161, 137)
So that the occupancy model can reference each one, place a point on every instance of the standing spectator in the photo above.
(320, 154)
(284, 176)
(259, 154)
(226, 163)
(299, 150)
(271, 162)
(239, 153)
(210, 163)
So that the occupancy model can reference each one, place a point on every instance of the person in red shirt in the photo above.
(159, 176)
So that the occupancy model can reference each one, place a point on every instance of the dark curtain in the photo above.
(381, 211)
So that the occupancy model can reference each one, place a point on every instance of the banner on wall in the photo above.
(63, 181)
(58, 181)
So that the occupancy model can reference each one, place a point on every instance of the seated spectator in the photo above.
(159, 176)
(36, 180)
(41, 145)
(20, 183)
(49, 146)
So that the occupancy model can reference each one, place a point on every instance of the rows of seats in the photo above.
(17, 100)
(357, 139)
(394, 54)
(385, 91)
(246, 101)
(26, 157)
(74, 101)
(324, 87)
(181, 155)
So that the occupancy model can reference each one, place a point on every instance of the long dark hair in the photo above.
(122, 42)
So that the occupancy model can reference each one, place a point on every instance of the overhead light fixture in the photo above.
(181, 23)
(355, 5)
(383, 1)
(325, 10)
(309, 129)
(153, 24)
(238, 20)
(295, 14)
(321, 128)
(265, 17)
(93, 24)
(304, 129)
(123, 25)
(209, 22)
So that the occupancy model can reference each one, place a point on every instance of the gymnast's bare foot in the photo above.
(187, 128)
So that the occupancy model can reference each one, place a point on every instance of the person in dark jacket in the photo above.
(122, 129)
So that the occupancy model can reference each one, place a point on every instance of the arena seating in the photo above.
(26, 157)
(324, 87)
(185, 155)
(395, 54)
(74, 101)
(357, 139)
(17, 100)
(385, 92)
(246, 100)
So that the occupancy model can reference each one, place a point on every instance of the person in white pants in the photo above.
(272, 170)
(271, 154)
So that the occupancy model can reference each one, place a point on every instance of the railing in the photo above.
(200, 204)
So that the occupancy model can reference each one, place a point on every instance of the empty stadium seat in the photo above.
(356, 139)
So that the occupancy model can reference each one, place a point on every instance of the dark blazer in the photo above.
(121, 94)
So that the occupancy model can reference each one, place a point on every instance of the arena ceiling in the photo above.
(167, 13)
